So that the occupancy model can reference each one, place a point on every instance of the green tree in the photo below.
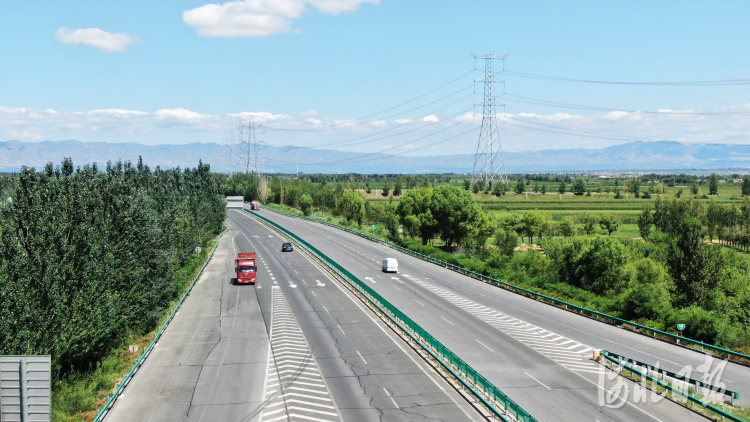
(645, 221)
(589, 223)
(477, 186)
(467, 184)
(534, 222)
(520, 187)
(457, 216)
(648, 294)
(386, 188)
(306, 203)
(579, 187)
(746, 186)
(506, 240)
(543, 188)
(567, 227)
(634, 187)
(418, 203)
(610, 223)
(713, 186)
(398, 186)
(561, 188)
(499, 189)
(696, 268)
(352, 206)
(694, 188)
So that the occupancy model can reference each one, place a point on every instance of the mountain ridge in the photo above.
(631, 156)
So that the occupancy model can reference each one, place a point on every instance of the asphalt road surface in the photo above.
(296, 346)
(537, 354)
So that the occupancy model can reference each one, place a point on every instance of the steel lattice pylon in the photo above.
(488, 162)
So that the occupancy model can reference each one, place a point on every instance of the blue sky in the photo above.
(178, 72)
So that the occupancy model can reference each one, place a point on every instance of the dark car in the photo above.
(287, 247)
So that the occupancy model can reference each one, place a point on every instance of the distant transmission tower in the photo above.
(248, 146)
(488, 162)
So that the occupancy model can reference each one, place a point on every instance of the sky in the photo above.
(375, 75)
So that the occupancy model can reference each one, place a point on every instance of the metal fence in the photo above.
(502, 405)
(25, 390)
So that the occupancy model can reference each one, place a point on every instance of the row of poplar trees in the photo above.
(88, 255)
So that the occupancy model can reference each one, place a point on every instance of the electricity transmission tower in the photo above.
(488, 161)
(241, 151)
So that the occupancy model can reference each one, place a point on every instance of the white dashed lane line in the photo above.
(295, 390)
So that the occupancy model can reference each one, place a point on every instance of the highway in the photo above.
(296, 346)
(537, 354)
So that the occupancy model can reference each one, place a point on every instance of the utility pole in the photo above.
(488, 161)
(248, 154)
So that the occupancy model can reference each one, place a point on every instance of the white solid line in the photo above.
(342, 330)
(314, 293)
(485, 346)
(360, 356)
(448, 321)
(419, 302)
(324, 307)
(540, 383)
(398, 289)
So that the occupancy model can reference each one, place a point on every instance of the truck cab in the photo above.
(245, 268)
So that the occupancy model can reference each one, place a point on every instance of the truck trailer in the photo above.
(245, 267)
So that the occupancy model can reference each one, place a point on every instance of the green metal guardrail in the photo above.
(663, 372)
(151, 345)
(674, 390)
(490, 395)
(520, 290)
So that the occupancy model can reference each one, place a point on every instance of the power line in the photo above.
(347, 123)
(719, 82)
(549, 103)
(488, 161)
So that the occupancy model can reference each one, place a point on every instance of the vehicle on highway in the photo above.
(254, 205)
(390, 265)
(287, 247)
(245, 268)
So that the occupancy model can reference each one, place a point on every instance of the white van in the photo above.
(390, 265)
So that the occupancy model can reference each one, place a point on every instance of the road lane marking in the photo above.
(448, 321)
(540, 383)
(360, 356)
(485, 346)
(342, 330)
(419, 302)
(391, 397)
(324, 307)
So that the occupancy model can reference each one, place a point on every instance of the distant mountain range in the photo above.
(633, 156)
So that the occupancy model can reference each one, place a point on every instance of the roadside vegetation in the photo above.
(655, 249)
(90, 260)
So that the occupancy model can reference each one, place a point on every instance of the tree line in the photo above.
(89, 254)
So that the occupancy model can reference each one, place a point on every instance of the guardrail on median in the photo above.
(490, 395)
(679, 378)
(151, 345)
(541, 297)
(620, 366)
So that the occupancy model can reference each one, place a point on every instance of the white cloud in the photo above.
(431, 118)
(615, 115)
(180, 114)
(313, 121)
(24, 134)
(117, 112)
(261, 116)
(469, 117)
(96, 38)
(259, 18)
(403, 121)
(379, 123)
(309, 113)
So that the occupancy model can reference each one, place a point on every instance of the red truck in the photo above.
(254, 205)
(245, 267)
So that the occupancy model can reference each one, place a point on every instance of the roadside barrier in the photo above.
(500, 404)
(661, 373)
(619, 366)
(151, 345)
(719, 351)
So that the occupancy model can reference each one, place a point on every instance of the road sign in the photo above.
(198, 249)
(680, 327)
(373, 227)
